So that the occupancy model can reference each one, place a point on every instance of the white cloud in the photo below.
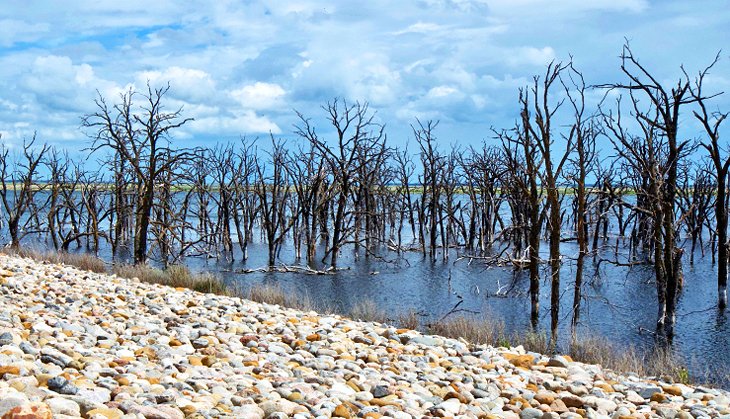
(57, 82)
(259, 95)
(551, 7)
(185, 83)
(420, 27)
(530, 56)
(13, 31)
(246, 122)
(441, 91)
(240, 67)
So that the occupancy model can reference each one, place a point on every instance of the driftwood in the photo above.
(292, 269)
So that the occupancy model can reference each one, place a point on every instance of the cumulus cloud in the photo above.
(247, 122)
(530, 55)
(260, 95)
(13, 31)
(58, 83)
(186, 83)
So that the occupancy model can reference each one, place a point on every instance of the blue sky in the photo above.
(242, 67)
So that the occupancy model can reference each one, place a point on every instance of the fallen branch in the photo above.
(291, 269)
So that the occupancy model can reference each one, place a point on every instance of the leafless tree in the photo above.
(140, 136)
(711, 121)
(19, 187)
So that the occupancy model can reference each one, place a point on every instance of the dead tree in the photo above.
(525, 197)
(140, 135)
(272, 189)
(659, 120)
(19, 188)
(356, 135)
(541, 131)
(404, 169)
(307, 170)
(433, 163)
(245, 206)
(720, 157)
(583, 136)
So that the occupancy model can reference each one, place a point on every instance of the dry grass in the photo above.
(409, 320)
(659, 362)
(477, 331)
(274, 294)
(368, 311)
(83, 261)
(174, 276)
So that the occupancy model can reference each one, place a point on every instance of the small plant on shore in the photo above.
(533, 341)
(479, 331)
(368, 311)
(660, 361)
(409, 320)
(83, 261)
(174, 276)
(274, 294)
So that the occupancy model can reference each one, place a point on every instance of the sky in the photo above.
(242, 68)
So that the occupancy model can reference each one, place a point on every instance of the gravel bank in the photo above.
(74, 343)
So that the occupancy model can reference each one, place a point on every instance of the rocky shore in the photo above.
(79, 344)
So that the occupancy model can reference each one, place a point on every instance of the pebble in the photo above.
(62, 386)
(6, 338)
(80, 344)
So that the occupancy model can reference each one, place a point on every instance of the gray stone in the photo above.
(426, 341)
(52, 356)
(531, 413)
(665, 412)
(62, 386)
(27, 348)
(6, 338)
(380, 391)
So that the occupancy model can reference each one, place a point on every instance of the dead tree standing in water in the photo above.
(272, 189)
(433, 164)
(660, 121)
(525, 199)
(357, 135)
(552, 167)
(583, 136)
(140, 135)
(18, 189)
(711, 122)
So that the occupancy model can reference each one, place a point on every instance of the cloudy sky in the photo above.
(242, 67)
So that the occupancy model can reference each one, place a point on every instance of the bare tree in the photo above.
(583, 136)
(140, 136)
(720, 157)
(659, 122)
(541, 131)
(272, 188)
(19, 187)
(358, 137)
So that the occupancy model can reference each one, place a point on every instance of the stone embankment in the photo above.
(74, 343)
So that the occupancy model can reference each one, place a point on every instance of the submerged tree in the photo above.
(139, 135)
(657, 154)
(720, 158)
(358, 140)
(19, 188)
(582, 135)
